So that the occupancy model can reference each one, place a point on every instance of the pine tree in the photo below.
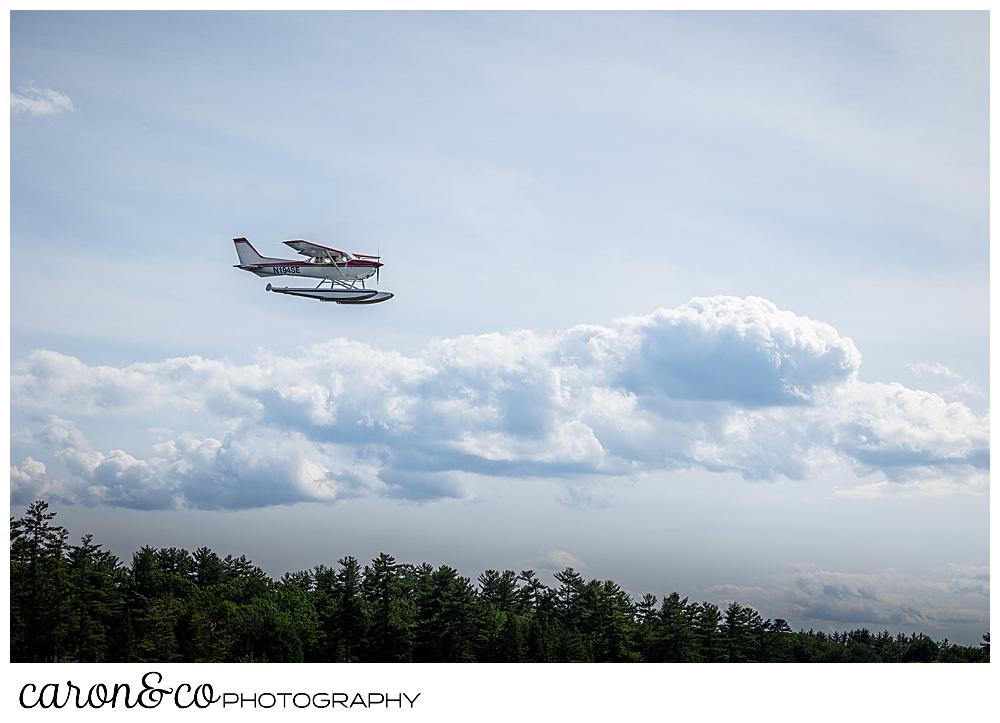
(530, 593)
(609, 621)
(570, 611)
(91, 574)
(387, 599)
(347, 583)
(207, 568)
(38, 586)
(709, 637)
(646, 628)
(325, 601)
(499, 589)
(157, 638)
(740, 645)
(450, 617)
(676, 642)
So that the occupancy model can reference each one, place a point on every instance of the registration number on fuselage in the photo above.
(279, 270)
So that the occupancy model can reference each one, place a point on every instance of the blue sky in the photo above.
(690, 301)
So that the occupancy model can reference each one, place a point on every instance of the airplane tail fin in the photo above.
(247, 253)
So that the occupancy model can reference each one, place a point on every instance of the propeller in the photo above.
(378, 250)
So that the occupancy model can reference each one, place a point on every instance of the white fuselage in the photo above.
(352, 270)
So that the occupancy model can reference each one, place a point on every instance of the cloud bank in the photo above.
(832, 600)
(720, 383)
(40, 101)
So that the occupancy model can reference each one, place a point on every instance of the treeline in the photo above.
(81, 603)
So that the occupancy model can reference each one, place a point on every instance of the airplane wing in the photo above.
(308, 248)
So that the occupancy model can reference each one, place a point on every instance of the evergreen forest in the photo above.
(79, 603)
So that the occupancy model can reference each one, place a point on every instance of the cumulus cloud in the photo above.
(720, 383)
(558, 560)
(960, 386)
(40, 101)
(21, 436)
(241, 470)
(901, 601)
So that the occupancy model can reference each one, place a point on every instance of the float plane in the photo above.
(341, 270)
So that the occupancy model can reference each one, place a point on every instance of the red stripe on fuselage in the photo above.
(353, 262)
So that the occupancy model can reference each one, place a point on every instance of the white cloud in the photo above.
(961, 386)
(248, 469)
(559, 560)
(720, 383)
(40, 101)
(21, 436)
(27, 482)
